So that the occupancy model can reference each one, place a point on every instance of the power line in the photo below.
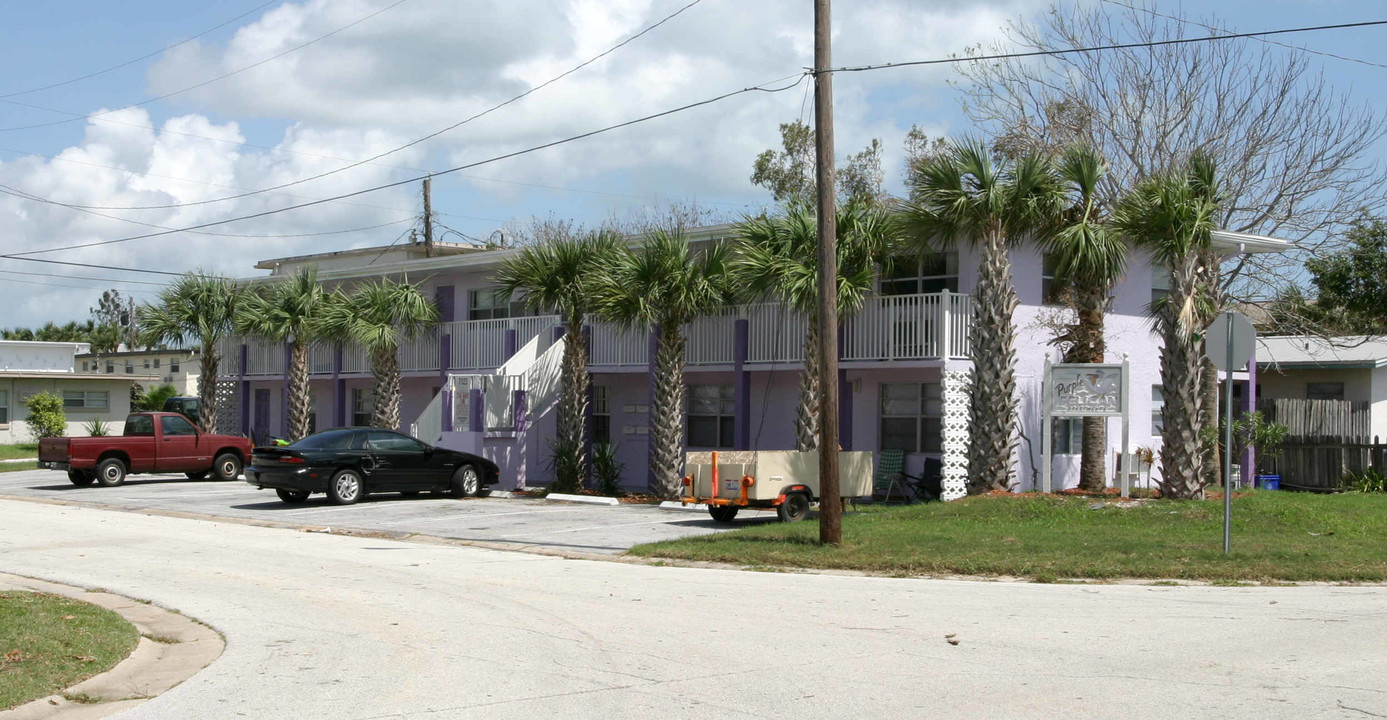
(1206, 26)
(90, 265)
(128, 63)
(573, 138)
(1098, 48)
(205, 83)
(66, 285)
(7, 190)
(425, 138)
(84, 277)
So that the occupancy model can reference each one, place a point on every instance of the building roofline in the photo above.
(1229, 240)
(447, 248)
(133, 353)
(61, 375)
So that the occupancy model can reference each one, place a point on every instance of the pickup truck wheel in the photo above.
(293, 497)
(227, 466)
(346, 488)
(723, 513)
(80, 478)
(795, 507)
(197, 475)
(110, 472)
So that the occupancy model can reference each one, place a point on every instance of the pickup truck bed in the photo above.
(152, 443)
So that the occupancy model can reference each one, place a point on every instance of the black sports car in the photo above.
(350, 463)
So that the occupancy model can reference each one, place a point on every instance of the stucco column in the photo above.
(844, 410)
(476, 415)
(522, 435)
(510, 343)
(445, 357)
(1248, 462)
(245, 391)
(741, 386)
(956, 432)
(339, 389)
(284, 393)
(652, 349)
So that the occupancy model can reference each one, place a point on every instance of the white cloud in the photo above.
(425, 65)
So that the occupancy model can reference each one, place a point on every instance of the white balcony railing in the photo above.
(894, 327)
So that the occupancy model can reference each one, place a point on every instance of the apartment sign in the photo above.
(1087, 390)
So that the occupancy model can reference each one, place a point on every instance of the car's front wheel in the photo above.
(110, 472)
(293, 497)
(80, 478)
(466, 482)
(346, 487)
(227, 466)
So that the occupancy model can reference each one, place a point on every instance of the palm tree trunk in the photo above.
(1181, 459)
(992, 413)
(1091, 304)
(1211, 291)
(668, 412)
(385, 369)
(300, 403)
(207, 387)
(807, 415)
(573, 401)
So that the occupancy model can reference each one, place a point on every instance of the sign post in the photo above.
(1084, 390)
(1229, 342)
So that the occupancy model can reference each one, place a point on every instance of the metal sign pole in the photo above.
(1228, 445)
(1045, 450)
(1124, 463)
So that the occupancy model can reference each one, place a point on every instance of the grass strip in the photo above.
(50, 642)
(1277, 536)
(17, 466)
(19, 451)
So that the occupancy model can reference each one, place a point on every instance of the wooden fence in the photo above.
(1326, 440)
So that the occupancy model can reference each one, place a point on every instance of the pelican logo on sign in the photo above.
(1084, 390)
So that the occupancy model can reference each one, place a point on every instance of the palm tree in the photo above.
(1089, 258)
(560, 276)
(378, 316)
(665, 285)
(198, 308)
(963, 194)
(778, 256)
(1172, 216)
(288, 311)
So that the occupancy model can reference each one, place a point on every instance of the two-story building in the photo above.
(903, 368)
(179, 368)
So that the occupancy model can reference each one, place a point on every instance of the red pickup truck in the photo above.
(154, 442)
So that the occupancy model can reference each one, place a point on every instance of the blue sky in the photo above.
(425, 64)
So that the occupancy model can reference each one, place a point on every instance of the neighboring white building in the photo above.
(178, 368)
(1352, 368)
(29, 368)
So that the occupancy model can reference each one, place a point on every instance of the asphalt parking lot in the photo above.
(519, 522)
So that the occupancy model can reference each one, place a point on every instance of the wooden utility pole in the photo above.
(830, 504)
(428, 218)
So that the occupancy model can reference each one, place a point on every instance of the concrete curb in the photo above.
(585, 499)
(21, 460)
(675, 505)
(181, 648)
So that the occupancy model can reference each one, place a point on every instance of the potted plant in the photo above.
(1256, 431)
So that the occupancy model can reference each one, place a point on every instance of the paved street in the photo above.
(327, 626)
(556, 526)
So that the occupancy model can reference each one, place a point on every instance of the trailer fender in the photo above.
(796, 488)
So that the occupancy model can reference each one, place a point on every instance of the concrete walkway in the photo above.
(351, 628)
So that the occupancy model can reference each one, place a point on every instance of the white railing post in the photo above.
(941, 336)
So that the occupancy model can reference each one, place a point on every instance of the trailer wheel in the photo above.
(80, 478)
(795, 507)
(723, 513)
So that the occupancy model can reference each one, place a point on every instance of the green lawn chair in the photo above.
(890, 484)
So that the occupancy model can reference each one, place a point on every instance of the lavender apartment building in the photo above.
(486, 380)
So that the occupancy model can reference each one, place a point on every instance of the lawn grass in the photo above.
(51, 642)
(1277, 536)
(19, 450)
(16, 466)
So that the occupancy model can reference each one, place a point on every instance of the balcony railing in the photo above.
(930, 326)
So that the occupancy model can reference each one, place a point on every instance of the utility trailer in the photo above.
(784, 480)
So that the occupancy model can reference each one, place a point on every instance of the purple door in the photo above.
(261, 428)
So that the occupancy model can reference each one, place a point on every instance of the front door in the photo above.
(261, 428)
(178, 449)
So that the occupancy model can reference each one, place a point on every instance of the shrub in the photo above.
(607, 469)
(46, 418)
(1371, 481)
(98, 428)
(565, 461)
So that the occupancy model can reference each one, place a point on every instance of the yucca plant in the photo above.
(607, 470)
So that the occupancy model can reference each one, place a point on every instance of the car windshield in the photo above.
(328, 440)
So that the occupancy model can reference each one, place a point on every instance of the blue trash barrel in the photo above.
(1269, 482)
